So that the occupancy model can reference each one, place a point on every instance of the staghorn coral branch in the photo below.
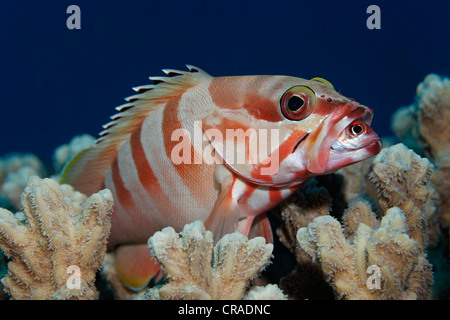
(59, 231)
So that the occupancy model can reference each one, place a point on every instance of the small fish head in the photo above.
(355, 143)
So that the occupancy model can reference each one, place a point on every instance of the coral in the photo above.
(15, 169)
(64, 233)
(433, 119)
(402, 180)
(344, 251)
(66, 152)
(356, 181)
(14, 161)
(269, 292)
(441, 181)
(398, 260)
(306, 281)
(424, 127)
(434, 113)
(404, 125)
(298, 211)
(359, 211)
(196, 270)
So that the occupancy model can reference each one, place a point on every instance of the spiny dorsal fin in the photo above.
(87, 170)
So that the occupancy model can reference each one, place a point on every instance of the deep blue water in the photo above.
(56, 83)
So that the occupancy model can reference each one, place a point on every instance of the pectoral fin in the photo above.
(261, 228)
(225, 215)
(228, 214)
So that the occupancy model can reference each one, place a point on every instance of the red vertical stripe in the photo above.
(192, 174)
(146, 175)
(123, 194)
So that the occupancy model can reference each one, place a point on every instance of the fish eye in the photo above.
(357, 129)
(298, 103)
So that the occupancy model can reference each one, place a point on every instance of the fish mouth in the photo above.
(327, 153)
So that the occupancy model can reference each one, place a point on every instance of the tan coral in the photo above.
(396, 245)
(433, 104)
(64, 153)
(428, 131)
(441, 181)
(356, 181)
(196, 270)
(268, 292)
(404, 272)
(306, 280)
(14, 161)
(15, 169)
(402, 179)
(63, 234)
(359, 211)
(298, 211)
(434, 113)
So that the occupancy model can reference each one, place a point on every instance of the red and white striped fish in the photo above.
(317, 132)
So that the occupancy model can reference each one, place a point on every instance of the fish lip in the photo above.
(297, 144)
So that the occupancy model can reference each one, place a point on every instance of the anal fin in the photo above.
(135, 266)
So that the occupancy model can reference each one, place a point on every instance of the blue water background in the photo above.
(56, 83)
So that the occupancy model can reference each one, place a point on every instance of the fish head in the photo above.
(310, 129)
(336, 130)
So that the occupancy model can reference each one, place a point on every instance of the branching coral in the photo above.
(63, 236)
(428, 132)
(15, 169)
(434, 113)
(66, 152)
(395, 246)
(401, 177)
(356, 181)
(196, 270)
(306, 281)
(300, 210)
(14, 161)
(268, 292)
(433, 120)
(396, 259)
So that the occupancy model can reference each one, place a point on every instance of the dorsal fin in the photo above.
(86, 171)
